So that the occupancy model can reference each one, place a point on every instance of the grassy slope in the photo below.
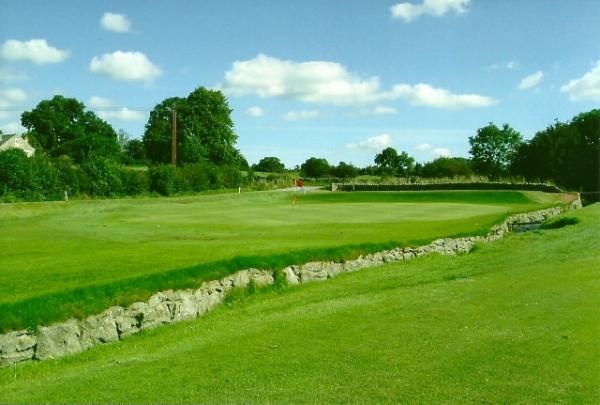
(54, 246)
(515, 321)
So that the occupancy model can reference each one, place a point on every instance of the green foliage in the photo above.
(134, 152)
(204, 129)
(447, 167)
(344, 171)
(315, 168)
(270, 164)
(163, 179)
(493, 149)
(61, 126)
(390, 162)
(567, 153)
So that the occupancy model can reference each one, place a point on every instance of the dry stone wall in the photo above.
(117, 323)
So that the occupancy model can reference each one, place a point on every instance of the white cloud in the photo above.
(331, 83)
(9, 100)
(425, 95)
(317, 82)
(115, 22)
(383, 110)
(510, 65)
(437, 8)
(125, 66)
(531, 81)
(36, 50)
(301, 115)
(255, 112)
(439, 152)
(423, 147)
(105, 110)
(376, 143)
(587, 87)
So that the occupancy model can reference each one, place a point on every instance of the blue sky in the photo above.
(339, 79)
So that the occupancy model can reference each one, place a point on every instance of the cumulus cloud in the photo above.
(437, 8)
(9, 99)
(375, 143)
(125, 66)
(317, 82)
(383, 110)
(425, 95)
(331, 83)
(115, 22)
(301, 115)
(531, 81)
(255, 112)
(36, 50)
(105, 110)
(423, 147)
(587, 87)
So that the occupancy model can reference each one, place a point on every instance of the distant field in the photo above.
(515, 321)
(53, 248)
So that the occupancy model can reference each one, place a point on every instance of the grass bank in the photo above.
(74, 259)
(514, 322)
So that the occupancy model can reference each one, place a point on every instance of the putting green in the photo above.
(50, 247)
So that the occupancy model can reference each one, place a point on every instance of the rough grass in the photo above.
(514, 322)
(73, 259)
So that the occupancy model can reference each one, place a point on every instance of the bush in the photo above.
(134, 181)
(163, 179)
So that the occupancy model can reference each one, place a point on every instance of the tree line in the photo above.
(80, 154)
(565, 153)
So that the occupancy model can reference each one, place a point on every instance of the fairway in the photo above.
(513, 322)
(53, 248)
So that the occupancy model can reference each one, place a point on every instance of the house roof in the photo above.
(6, 137)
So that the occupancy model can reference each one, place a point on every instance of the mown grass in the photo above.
(514, 322)
(74, 259)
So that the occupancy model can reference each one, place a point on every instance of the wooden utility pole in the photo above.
(174, 138)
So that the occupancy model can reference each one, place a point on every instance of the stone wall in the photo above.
(117, 323)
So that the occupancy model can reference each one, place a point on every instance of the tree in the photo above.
(392, 163)
(567, 153)
(61, 126)
(447, 167)
(315, 167)
(270, 164)
(344, 171)
(493, 149)
(204, 129)
(135, 151)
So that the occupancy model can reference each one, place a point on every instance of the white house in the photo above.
(16, 142)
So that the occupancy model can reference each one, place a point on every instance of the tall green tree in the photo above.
(270, 164)
(389, 161)
(315, 167)
(493, 149)
(204, 129)
(566, 153)
(62, 126)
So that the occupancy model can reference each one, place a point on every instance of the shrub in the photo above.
(163, 179)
